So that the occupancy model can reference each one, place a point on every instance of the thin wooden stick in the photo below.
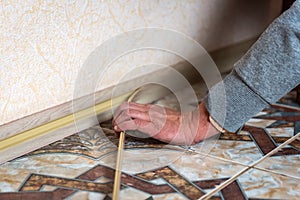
(117, 181)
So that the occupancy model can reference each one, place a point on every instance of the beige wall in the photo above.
(43, 44)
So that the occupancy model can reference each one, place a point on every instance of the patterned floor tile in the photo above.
(190, 177)
(86, 195)
(81, 166)
(284, 164)
(244, 152)
(260, 135)
(258, 184)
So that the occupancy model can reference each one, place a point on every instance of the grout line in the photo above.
(220, 158)
(276, 173)
(233, 178)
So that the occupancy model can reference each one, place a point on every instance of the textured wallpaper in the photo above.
(43, 44)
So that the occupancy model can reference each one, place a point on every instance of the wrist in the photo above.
(216, 125)
(205, 127)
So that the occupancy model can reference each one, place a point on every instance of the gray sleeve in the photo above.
(269, 70)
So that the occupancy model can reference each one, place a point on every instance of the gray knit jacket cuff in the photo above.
(231, 102)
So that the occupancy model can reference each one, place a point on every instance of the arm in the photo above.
(269, 70)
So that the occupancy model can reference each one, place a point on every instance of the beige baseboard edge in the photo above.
(52, 131)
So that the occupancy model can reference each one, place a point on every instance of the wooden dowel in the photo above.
(117, 181)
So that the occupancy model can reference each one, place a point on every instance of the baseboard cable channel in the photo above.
(25, 136)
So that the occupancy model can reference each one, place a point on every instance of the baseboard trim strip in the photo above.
(59, 123)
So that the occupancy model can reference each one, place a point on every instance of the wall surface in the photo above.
(43, 44)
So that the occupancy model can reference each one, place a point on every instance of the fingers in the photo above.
(129, 113)
(130, 116)
(135, 114)
(125, 125)
(134, 106)
(131, 106)
(145, 112)
(146, 118)
(135, 124)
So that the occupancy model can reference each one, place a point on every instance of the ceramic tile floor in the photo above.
(261, 161)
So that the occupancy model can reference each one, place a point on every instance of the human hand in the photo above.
(165, 124)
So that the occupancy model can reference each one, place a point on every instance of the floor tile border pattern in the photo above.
(84, 182)
(252, 166)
